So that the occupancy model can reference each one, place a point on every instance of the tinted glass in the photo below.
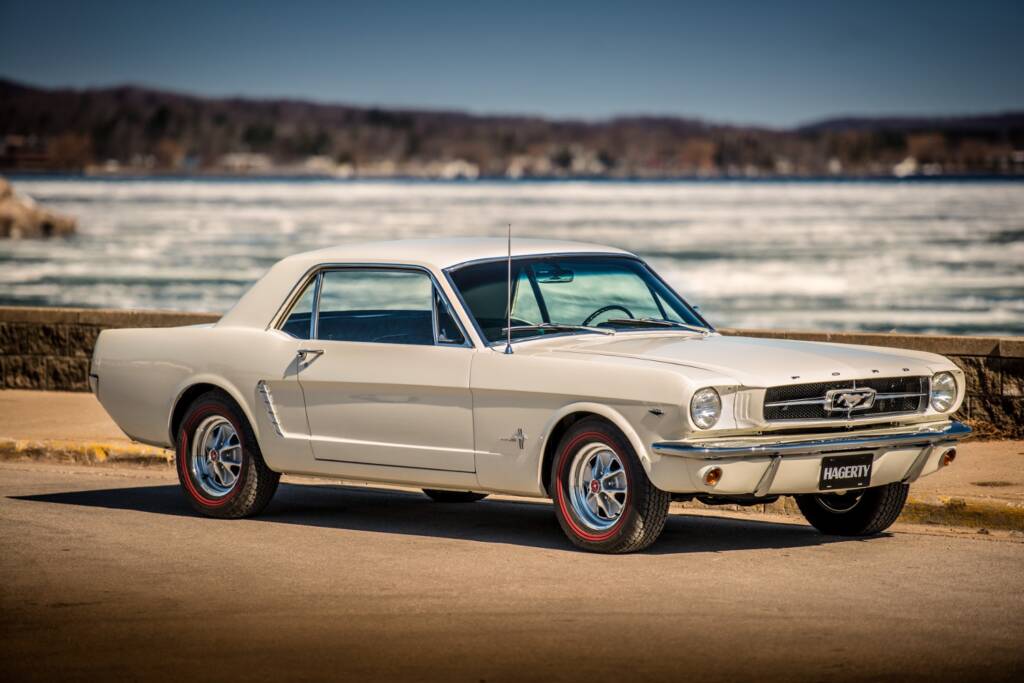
(381, 306)
(297, 323)
(573, 290)
(448, 331)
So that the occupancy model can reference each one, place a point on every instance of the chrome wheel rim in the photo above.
(839, 503)
(598, 487)
(216, 456)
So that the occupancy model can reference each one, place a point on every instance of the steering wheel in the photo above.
(605, 309)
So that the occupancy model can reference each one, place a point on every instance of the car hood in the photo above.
(758, 362)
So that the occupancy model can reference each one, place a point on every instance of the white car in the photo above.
(606, 392)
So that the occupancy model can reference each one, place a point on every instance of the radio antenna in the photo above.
(508, 296)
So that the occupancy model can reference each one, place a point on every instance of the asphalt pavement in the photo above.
(107, 573)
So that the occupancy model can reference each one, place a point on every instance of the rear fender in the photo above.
(219, 382)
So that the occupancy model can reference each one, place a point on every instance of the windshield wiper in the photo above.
(557, 326)
(658, 322)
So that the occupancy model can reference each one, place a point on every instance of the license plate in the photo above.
(845, 471)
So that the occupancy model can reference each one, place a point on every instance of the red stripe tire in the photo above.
(218, 460)
(603, 499)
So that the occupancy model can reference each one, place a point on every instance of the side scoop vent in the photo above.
(268, 402)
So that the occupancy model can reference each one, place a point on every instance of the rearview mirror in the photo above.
(551, 273)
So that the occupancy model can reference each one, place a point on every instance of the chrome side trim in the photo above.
(950, 431)
(768, 478)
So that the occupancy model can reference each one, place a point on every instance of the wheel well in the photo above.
(185, 400)
(553, 439)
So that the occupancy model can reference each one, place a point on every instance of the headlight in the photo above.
(705, 408)
(943, 394)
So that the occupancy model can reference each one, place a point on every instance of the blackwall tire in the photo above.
(439, 496)
(858, 513)
(220, 467)
(623, 512)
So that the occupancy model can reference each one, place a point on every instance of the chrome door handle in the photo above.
(304, 354)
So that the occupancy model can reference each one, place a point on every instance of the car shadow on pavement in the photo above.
(358, 508)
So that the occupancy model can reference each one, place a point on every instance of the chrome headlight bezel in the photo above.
(942, 391)
(705, 408)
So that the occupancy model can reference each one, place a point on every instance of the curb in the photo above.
(84, 452)
(979, 513)
(975, 513)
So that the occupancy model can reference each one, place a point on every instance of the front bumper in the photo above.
(770, 466)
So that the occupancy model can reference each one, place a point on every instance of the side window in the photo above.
(448, 331)
(385, 306)
(297, 323)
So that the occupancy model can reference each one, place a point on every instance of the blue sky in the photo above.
(775, 63)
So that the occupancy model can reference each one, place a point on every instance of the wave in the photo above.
(935, 257)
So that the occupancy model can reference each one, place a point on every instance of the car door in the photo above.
(280, 407)
(386, 375)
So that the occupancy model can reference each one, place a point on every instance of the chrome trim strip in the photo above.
(797, 402)
(710, 451)
(314, 314)
(768, 478)
(882, 397)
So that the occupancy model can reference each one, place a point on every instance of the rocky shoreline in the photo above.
(21, 217)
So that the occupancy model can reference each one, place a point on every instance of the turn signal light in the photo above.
(713, 476)
(948, 457)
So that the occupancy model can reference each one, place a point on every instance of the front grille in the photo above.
(895, 395)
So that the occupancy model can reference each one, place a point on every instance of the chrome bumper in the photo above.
(926, 437)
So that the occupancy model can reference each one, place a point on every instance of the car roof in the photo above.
(446, 252)
(258, 306)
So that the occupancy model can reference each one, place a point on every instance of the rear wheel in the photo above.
(218, 459)
(855, 513)
(603, 498)
(439, 496)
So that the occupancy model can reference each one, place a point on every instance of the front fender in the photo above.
(607, 412)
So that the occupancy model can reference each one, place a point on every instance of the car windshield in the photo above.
(568, 294)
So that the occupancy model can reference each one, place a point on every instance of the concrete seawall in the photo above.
(50, 348)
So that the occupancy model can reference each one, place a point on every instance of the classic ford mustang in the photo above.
(562, 370)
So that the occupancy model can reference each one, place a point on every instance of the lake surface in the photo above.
(911, 257)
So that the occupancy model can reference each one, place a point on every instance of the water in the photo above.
(912, 257)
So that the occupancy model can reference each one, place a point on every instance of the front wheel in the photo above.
(220, 467)
(855, 513)
(603, 498)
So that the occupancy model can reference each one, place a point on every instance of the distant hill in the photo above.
(134, 129)
(908, 124)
